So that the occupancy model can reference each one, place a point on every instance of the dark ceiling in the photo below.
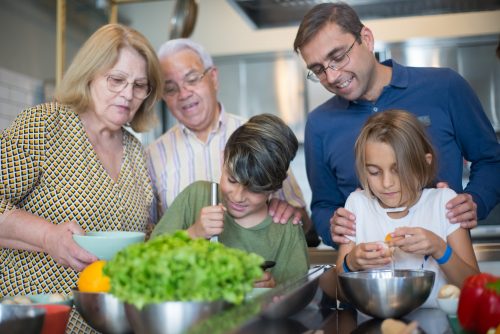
(281, 13)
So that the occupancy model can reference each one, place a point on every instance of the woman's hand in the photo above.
(417, 240)
(59, 244)
(210, 222)
(368, 256)
(266, 281)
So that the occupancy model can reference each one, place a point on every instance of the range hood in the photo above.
(281, 13)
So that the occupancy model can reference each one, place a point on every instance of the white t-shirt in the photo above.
(373, 224)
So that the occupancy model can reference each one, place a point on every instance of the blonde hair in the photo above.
(406, 135)
(98, 54)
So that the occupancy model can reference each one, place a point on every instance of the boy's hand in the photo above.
(210, 222)
(368, 256)
(266, 281)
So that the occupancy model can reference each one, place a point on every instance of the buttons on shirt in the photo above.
(375, 109)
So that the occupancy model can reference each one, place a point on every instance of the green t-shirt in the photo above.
(283, 243)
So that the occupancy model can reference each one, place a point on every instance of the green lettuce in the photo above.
(178, 268)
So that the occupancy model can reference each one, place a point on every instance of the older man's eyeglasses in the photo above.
(190, 80)
(140, 90)
(319, 73)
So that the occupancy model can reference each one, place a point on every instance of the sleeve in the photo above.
(326, 195)
(292, 260)
(478, 143)
(21, 157)
(184, 209)
(446, 195)
(291, 192)
(350, 204)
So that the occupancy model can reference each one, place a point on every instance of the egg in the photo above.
(449, 291)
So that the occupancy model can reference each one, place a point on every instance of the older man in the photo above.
(193, 149)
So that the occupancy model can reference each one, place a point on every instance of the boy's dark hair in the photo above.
(259, 152)
(315, 19)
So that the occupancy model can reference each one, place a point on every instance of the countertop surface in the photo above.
(303, 307)
(324, 320)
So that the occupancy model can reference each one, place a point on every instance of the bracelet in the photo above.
(446, 256)
(345, 266)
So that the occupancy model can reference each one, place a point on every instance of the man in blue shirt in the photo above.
(338, 51)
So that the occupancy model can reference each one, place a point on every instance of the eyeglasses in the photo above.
(190, 80)
(336, 64)
(140, 90)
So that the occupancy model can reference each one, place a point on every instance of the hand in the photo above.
(59, 244)
(210, 222)
(342, 223)
(461, 209)
(368, 256)
(417, 240)
(266, 281)
(281, 212)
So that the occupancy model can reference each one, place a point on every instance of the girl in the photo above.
(396, 166)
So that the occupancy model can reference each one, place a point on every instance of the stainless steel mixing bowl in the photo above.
(384, 294)
(103, 311)
(171, 317)
(21, 319)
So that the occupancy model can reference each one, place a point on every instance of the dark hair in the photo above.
(315, 19)
(403, 132)
(259, 152)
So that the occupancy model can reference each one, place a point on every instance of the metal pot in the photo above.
(184, 18)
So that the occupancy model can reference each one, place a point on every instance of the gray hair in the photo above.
(258, 153)
(175, 45)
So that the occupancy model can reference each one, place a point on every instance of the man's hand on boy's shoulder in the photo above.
(282, 211)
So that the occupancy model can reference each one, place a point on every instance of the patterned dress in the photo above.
(49, 168)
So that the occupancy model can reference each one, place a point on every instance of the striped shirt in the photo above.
(178, 158)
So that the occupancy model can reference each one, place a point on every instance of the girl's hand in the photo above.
(417, 240)
(210, 222)
(368, 256)
(60, 245)
(266, 281)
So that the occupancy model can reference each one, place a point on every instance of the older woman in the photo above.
(70, 166)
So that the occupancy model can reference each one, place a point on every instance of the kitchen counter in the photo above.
(323, 320)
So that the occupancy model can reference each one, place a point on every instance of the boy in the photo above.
(256, 160)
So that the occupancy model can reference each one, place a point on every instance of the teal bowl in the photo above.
(106, 244)
(39, 299)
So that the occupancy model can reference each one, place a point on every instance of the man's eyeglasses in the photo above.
(140, 90)
(319, 73)
(190, 80)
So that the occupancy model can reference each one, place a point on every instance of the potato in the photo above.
(449, 291)
(392, 326)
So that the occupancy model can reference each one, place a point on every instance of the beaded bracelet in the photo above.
(345, 266)
(446, 256)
